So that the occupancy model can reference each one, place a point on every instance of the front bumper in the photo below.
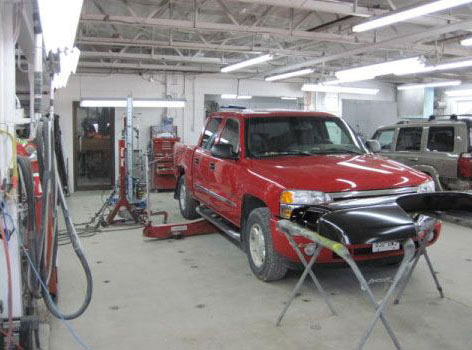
(360, 252)
(359, 223)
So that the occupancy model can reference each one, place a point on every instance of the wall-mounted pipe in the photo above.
(38, 69)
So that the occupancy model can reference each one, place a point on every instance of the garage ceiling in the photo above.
(148, 36)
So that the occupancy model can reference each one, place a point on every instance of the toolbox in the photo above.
(163, 175)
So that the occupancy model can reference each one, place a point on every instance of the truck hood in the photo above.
(336, 173)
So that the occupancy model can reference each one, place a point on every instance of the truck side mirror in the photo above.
(373, 146)
(223, 151)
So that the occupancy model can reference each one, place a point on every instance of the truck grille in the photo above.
(373, 193)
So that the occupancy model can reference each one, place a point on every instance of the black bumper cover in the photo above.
(367, 221)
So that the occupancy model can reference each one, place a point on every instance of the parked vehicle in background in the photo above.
(252, 169)
(440, 147)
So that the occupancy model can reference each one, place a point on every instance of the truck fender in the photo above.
(431, 171)
(249, 203)
(180, 171)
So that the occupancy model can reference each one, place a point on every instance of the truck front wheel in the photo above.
(187, 204)
(265, 263)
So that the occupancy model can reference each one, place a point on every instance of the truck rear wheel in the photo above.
(265, 263)
(187, 204)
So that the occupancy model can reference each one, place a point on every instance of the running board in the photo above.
(218, 221)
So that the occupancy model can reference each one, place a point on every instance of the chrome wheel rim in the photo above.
(182, 195)
(257, 245)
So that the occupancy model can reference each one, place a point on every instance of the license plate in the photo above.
(385, 246)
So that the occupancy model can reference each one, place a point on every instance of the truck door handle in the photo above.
(196, 160)
(212, 166)
(413, 159)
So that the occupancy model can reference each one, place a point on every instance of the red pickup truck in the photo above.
(251, 169)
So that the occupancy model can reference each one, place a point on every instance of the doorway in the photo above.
(94, 151)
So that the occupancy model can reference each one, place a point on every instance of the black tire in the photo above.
(272, 267)
(187, 204)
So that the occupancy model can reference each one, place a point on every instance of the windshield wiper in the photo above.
(284, 153)
(338, 151)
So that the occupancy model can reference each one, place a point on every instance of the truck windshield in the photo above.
(286, 136)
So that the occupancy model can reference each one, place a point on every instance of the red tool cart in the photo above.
(163, 177)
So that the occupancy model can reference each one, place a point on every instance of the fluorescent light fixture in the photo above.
(459, 93)
(229, 96)
(290, 74)
(402, 66)
(406, 14)
(68, 61)
(466, 42)
(339, 89)
(235, 97)
(453, 65)
(426, 85)
(416, 70)
(289, 98)
(247, 63)
(341, 81)
(138, 103)
(439, 67)
(59, 20)
(159, 103)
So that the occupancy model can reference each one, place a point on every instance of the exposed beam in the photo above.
(152, 67)
(192, 46)
(262, 16)
(227, 12)
(346, 9)
(142, 66)
(102, 10)
(209, 26)
(161, 8)
(281, 32)
(151, 57)
(404, 40)
(342, 8)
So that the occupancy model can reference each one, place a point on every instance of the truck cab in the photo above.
(253, 168)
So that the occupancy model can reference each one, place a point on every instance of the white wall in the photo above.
(256, 102)
(462, 105)
(333, 102)
(365, 117)
(188, 120)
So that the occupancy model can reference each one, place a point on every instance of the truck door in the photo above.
(409, 145)
(440, 150)
(203, 176)
(227, 173)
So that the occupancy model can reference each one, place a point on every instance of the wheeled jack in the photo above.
(178, 230)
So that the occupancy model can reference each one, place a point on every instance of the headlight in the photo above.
(290, 200)
(427, 186)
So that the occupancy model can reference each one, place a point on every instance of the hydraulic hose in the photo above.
(52, 183)
(26, 178)
(83, 261)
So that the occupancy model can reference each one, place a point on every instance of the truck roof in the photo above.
(426, 122)
(245, 113)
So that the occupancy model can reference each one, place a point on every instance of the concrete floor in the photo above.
(199, 293)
